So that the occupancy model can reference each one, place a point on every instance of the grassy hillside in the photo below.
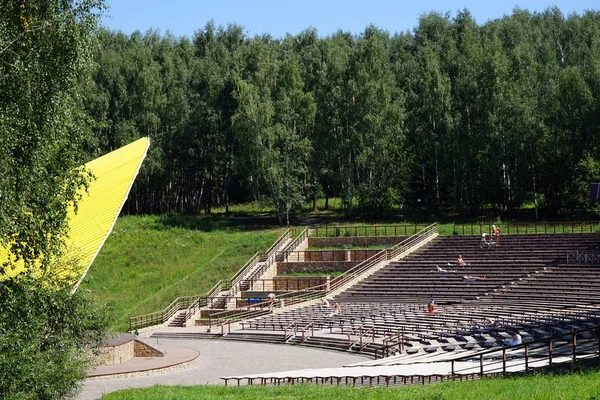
(149, 261)
(571, 386)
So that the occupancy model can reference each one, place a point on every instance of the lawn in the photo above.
(149, 261)
(570, 386)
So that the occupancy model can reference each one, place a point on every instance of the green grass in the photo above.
(570, 386)
(149, 261)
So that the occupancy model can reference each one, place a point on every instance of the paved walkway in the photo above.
(225, 358)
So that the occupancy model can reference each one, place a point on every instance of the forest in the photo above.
(455, 116)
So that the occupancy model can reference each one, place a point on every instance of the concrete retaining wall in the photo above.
(124, 349)
(355, 241)
(320, 267)
(292, 283)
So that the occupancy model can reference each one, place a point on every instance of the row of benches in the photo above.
(526, 289)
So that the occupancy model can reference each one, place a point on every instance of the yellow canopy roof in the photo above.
(98, 210)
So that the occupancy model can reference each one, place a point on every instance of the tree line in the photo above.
(454, 116)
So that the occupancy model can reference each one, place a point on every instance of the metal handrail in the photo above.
(318, 291)
(293, 327)
(392, 341)
(366, 230)
(528, 228)
(310, 326)
(160, 317)
(271, 250)
(361, 333)
(291, 283)
(328, 255)
(584, 257)
(266, 257)
(525, 346)
(283, 254)
(183, 303)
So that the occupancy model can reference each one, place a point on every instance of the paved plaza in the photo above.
(225, 358)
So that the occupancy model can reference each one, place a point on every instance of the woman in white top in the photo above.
(515, 339)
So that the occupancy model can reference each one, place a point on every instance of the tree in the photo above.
(44, 329)
(454, 116)
(44, 52)
(380, 164)
(43, 334)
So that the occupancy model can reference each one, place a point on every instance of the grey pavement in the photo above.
(226, 358)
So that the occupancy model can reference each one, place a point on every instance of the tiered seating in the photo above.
(518, 258)
(566, 283)
(454, 328)
(527, 289)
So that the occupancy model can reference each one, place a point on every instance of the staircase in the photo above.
(178, 320)
(262, 266)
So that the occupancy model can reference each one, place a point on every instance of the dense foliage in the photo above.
(453, 116)
(45, 51)
(45, 54)
(43, 334)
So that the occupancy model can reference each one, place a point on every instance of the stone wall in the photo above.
(355, 241)
(316, 267)
(124, 348)
(144, 350)
(111, 355)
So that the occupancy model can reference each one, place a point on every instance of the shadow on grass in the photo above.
(214, 222)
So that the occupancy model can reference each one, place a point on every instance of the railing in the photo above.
(584, 257)
(243, 280)
(234, 286)
(528, 228)
(318, 291)
(193, 303)
(366, 230)
(389, 343)
(275, 246)
(310, 326)
(281, 256)
(250, 311)
(330, 255)
(213, 293)
(293, 328)
(284, 283)
(195, 307)
(362, 332)
(160, 317)
(261, 256)
(494, 361)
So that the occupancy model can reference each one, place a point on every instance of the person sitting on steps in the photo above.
(431, 307)
(337, 310)
(515, 339)
(460, 261)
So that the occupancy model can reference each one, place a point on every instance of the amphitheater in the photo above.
(541, 280)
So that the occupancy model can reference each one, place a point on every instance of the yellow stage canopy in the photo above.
(98, 209)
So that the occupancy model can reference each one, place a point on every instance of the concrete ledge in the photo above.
(175, 358)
